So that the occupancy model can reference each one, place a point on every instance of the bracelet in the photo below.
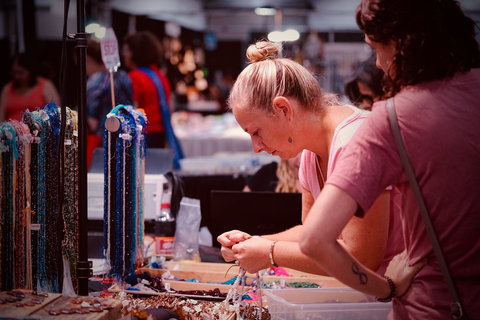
(392, 291)
(271, 255)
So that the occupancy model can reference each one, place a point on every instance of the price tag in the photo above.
(109, 48)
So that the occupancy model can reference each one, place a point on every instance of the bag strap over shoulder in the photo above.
(456, 307)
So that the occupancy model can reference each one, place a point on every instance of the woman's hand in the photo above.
(228, 239)
(253, 254)
(401, 273)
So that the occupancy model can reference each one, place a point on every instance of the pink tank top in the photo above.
(15, 103)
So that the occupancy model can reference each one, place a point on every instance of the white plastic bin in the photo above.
(323, 304)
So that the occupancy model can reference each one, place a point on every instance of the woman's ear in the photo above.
(283, 107)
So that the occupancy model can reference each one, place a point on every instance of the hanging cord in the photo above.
(61, 138)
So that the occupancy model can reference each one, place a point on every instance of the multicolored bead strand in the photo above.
(9, 154)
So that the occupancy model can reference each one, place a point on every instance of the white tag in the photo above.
(68, 142)
(35, 226)
(25, 140)
(75, 133)
(45, 116)
(139, 127)
(126, 136)
(167, 286)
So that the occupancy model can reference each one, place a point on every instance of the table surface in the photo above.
(38, 306)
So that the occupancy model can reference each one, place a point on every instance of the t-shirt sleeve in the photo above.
(265, 179)
(370, 162)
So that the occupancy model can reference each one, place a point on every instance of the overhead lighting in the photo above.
(281, 36)
(100, 33)
(265, 11)
(92, 28)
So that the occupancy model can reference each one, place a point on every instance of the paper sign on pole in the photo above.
(110, 56)
(109, 47)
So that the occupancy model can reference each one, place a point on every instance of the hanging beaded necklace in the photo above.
(32, 183)
(70, 222)
(1, 205)
(122, 203)
(9, 154)
(53, 179)
(41, 187)
(23, 144)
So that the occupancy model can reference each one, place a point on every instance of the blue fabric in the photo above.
(172, 140)
(99, 96)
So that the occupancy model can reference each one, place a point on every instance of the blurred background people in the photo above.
(99, 97)
(143, 49)
(365, 87)
(281, 176)
(27, 89)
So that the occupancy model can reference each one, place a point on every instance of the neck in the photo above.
(322, 127)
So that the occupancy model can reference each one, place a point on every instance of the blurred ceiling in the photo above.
(235, 19)
(227, 19)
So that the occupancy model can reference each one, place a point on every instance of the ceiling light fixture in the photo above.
(265, 11)
(281, 36)
(92, 28)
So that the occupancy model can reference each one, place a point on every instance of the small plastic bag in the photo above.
(67, 289)
(185, 245)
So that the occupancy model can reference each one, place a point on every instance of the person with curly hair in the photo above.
(280, 104)
(431, 61)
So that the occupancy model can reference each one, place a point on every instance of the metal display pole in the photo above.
(84, 266)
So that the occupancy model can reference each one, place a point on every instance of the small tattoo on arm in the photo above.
(362, 276)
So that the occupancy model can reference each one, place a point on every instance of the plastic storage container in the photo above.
(323, 304)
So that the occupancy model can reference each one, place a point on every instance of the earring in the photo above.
(290, 139)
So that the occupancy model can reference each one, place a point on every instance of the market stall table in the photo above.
(23, 303)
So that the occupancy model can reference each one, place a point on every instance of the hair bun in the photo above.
(262, 50)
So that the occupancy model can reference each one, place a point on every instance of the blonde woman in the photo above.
(281, 105)
(281, 176)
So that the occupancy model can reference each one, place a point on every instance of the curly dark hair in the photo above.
(370, 76)
(145, 47)
(434, 39)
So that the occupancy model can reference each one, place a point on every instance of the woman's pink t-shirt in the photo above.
(440, 126)
(308, 178)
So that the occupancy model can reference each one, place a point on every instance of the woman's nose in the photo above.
(257, 145)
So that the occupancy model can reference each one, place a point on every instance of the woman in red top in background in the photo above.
(143, 49)
(27, 90)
